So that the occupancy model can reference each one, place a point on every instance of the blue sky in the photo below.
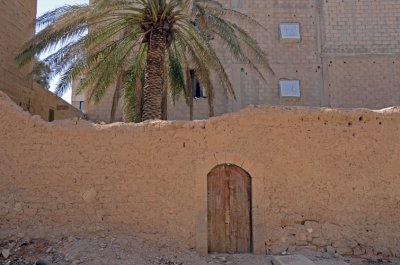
(47, 5)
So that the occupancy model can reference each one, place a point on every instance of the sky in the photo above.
(47, 5)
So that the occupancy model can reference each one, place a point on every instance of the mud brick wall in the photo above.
(322, 179)
(362, 81)
(361, 26)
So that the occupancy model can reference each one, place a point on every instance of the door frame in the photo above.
(256, 173)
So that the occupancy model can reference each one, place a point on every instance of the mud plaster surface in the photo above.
(322, 179)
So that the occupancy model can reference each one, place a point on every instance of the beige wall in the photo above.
(371, 81)
(16, 27)
(360, 51)
(359, 37)
(42, 101)
(320, 177)
(361, 26)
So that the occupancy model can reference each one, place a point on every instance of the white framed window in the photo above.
(290, 31)
(235, 4)
(289, 88)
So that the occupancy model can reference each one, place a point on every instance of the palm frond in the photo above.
(176, 79)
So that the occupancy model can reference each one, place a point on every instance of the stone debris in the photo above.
(103, 245)
(42, 262)
(172, 263)
(5, 253)
(132, 250)
(291, 260)
(164, 261)
(220, 260)
(68, 257)
(325, 237)
(17, 262)
(72, 239)
(330, 250)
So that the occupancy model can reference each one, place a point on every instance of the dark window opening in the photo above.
(81, 105)
(197, 90)
(51, 115)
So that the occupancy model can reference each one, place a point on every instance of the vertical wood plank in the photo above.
(227, 213)
(216, 210)
(240, 210)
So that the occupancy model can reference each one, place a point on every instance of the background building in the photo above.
(17, 25)
(342, 54)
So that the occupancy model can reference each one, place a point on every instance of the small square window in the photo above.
(235, 3)
(290, 31)
(289, 88)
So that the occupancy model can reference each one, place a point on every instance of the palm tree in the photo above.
(41, 73)
(145, 46)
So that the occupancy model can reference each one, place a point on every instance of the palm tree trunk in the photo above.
(154, 79)
(139, 100)
(189, 93)
(116, 97)
(210, 100)
(164, 103)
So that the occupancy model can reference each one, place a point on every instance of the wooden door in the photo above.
(229, 210)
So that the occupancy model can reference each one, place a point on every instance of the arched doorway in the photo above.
(229, 210)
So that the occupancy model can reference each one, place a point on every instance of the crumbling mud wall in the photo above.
(322, 179)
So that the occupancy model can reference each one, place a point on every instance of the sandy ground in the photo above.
(121, 250)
